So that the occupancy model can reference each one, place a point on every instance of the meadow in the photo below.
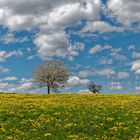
(69, 117)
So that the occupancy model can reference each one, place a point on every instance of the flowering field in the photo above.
(69, 117)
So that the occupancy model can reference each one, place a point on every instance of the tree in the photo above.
(94, 88)
(53, 75)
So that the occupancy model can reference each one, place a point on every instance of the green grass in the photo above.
(69, 117)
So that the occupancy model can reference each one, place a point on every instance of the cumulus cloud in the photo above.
(99, 48)
(105, 60)
(101, 27)
(116, 50)
(53, 40)
(85, 73)
(57, 44)
(10, 38)
(105, 72)
(84, 91)
(115, 54)
(4, 55)
(4, 70)
(122, 75)
(136, 55)
(76, 81)
(10, 78)
(115, 86)
(63, 16)
(51, 18)
(131, 47)
(125, 11)
(25, 15)
(108, 72)
(32, 57)
(135, 67)
(137, 88)
(24, 86)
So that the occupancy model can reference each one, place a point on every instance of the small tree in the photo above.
(94, 88)
(53, 75)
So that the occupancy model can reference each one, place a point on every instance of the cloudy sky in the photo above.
(98, 40)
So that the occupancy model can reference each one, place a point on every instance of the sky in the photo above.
(99, 40)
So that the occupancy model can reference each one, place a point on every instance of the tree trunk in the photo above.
(48, 90)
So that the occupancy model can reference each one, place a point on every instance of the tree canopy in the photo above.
(94, 88)
(53, 75)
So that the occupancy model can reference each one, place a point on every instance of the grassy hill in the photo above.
(69, 117)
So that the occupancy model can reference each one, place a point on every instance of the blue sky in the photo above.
(98, 40)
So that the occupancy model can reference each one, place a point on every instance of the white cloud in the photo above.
(105, 72)
(10, 38)
(27, 86)
(23, 14)
(116, 50)
(50, 17)
(84, 73)
(122, 75)
(137, 88)
(86, 91)
(10, 78)
(131, 47)
(101, 27)
(57, 44)
(32, 57)
(76, 81)
(126, 12)
(99, 48)
(108, 72)
(4, 70)
(53, 40)
(29, 49)
(63, 16)
(24, 80)
(3, 86)
(115, 54)
(24, 86)
(136, 55)
(4, 55)
(104, 60)
(115, 86)
(135, 67)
